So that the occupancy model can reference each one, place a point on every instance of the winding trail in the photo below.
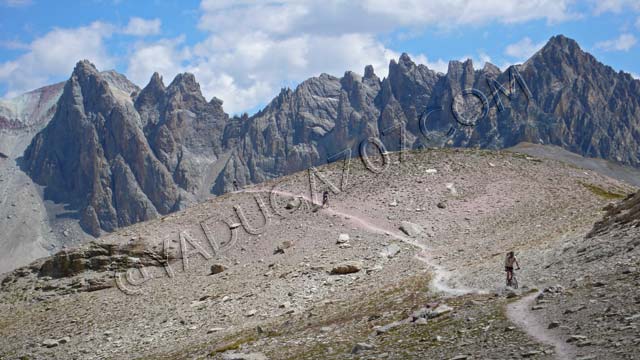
(441, 276)
(518, 312)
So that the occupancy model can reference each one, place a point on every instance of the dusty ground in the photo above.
(473, 208)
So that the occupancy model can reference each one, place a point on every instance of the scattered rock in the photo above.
(575, 338)
(251, 313)
(49, 343)
(529, 354)
(390, 251)
(348, 267)
(282, 247)
(361, 347)
(410, 228)
(440, 310)
(214, 330)
(553, 325)
(452, 189)
(285, 305)
(442, 205)
(292, 203)
(343, 238)
(431, 171)
(217, 269)
(240, 356)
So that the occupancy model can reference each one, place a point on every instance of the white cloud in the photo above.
(16, 3)
(335, 16)
(252, 49)
(248, 69)
(142, 27)
(164, 56)
(438, 65)
(53, 55)
(14, 45)
(255, 48)
(624, 42)
(472, 12)
(615, 6)
(523, 49)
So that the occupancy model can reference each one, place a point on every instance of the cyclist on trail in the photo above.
(325, 199)
(235, 185)
(509, 261)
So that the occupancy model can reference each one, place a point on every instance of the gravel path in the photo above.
(520, 313)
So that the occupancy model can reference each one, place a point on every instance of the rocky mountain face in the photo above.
(120, 161)
(123, 157)
(561, 96)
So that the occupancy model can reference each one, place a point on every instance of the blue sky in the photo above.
(244, 51)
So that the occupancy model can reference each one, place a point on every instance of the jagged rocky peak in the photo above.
(563, 44)
(490, 69)
(87, 79)
(456, 67)
(349, 79)
(154, 89)
(405, 60)
(94, 156)
(84, 67)
(371, 79)
(369, 73)
(156, 83)
(188, 140)
(216, 102)
(186, 86)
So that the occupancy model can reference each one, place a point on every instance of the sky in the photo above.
(244, 52)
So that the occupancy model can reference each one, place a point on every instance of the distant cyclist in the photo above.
(509, 262)
(325, 199)
(235, 185)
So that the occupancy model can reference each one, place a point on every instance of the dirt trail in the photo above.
(441, 276)
(520, 313)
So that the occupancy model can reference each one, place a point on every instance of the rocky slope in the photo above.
(404, 263)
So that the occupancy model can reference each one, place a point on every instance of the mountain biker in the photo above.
(509, 261)
(325, 199)
(235, 185)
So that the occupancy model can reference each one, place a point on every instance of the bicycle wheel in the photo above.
(514, 282)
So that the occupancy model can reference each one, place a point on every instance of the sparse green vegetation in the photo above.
(602, 192)
(234, 345)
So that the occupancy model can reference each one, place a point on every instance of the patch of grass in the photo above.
(602, 192)
(234, 345)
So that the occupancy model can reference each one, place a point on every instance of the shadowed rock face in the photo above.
(623, 214)
(116, 165)
(122, 159)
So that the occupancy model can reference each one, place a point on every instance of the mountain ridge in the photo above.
(169, 147)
